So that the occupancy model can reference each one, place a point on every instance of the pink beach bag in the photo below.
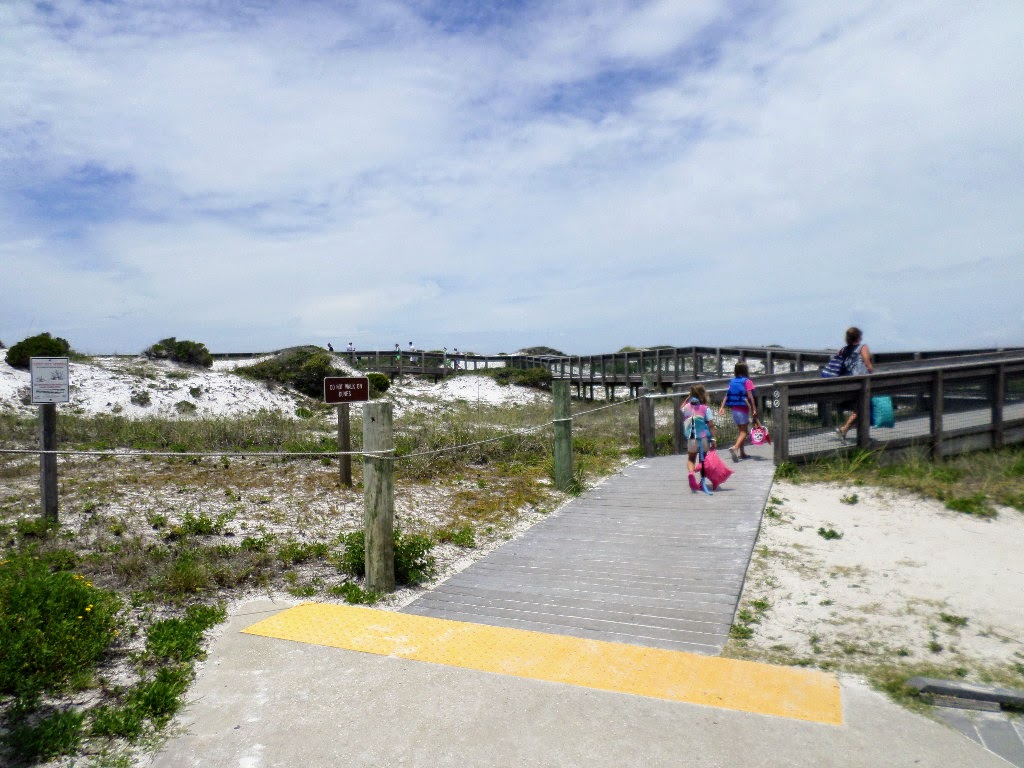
(759, 434)
(715, 470)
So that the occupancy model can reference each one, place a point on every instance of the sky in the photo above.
(578, 174)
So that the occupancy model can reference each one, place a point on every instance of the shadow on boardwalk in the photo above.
(639, 559)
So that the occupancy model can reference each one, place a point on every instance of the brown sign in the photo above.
(344, 389)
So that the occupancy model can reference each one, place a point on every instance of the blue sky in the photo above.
(494, 175)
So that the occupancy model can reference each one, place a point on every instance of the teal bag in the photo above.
(882, 414)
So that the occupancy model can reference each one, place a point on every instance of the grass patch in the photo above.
(973, 483)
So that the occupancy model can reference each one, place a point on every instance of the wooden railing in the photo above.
(948, 408)
(662, 368)
(946, 405)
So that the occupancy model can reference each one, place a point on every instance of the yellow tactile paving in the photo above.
(709, 680)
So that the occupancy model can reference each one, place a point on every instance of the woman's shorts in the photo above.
(740, 416)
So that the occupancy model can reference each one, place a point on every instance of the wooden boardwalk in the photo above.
(639, 559)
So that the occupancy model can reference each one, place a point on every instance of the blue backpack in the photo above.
(838, 365)
(736, 396)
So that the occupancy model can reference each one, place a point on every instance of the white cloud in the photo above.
(308, 168)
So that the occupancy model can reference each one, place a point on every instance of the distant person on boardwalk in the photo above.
(699, 433)
(350, 348)
(856, 362)
(330, 347)
(740, 398)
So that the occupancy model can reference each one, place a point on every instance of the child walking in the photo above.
(699, 432)
(740, 398)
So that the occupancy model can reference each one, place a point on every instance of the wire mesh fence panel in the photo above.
(900, 413)
(1013, 394)
(814, 420)
(967, 402)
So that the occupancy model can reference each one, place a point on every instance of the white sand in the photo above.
(107, 385)
(882, 589)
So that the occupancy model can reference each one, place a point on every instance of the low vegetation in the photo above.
(183, 352)
(975, 483)
(41, 345)
(981, 484)
(302, 368)
(149, 548)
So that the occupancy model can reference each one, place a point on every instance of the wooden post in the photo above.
(646, 423)
(677, 418)
(344, 445)
(48, 461)
(563, 435)
(780, 418)
(938, 396)
(379, 497)
(864, 416)
(998, 404)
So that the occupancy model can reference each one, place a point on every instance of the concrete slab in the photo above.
(260, 702)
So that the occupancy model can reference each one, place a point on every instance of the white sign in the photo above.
(50, 383)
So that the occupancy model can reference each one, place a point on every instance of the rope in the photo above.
(191, 454)
(283, 454)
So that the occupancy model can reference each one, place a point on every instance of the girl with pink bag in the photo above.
(699, 433)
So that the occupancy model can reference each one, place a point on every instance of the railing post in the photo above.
(864, 416)
(998, 402)
(646, 410)
(936, 415)
(379, 496)
(780, 421)
(677, 418)
(563, 435)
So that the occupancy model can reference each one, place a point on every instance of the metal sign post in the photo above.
(50, 385)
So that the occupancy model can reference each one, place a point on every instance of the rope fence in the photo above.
(130, 453)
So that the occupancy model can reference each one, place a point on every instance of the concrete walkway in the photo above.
(259, 702)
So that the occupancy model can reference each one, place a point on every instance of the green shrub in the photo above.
(354, 594)
(182, 639)
(55, 626)
(539, 378)
(379, 384)
(294, 552)
(460, 537)
(159, 699)
(303, 368)
(41, 345)
(185, 352)
(413, 561)
(187, 574)
(141, 398)
(52, 736)
(184, 407)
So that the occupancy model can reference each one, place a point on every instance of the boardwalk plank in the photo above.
(638, 559)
